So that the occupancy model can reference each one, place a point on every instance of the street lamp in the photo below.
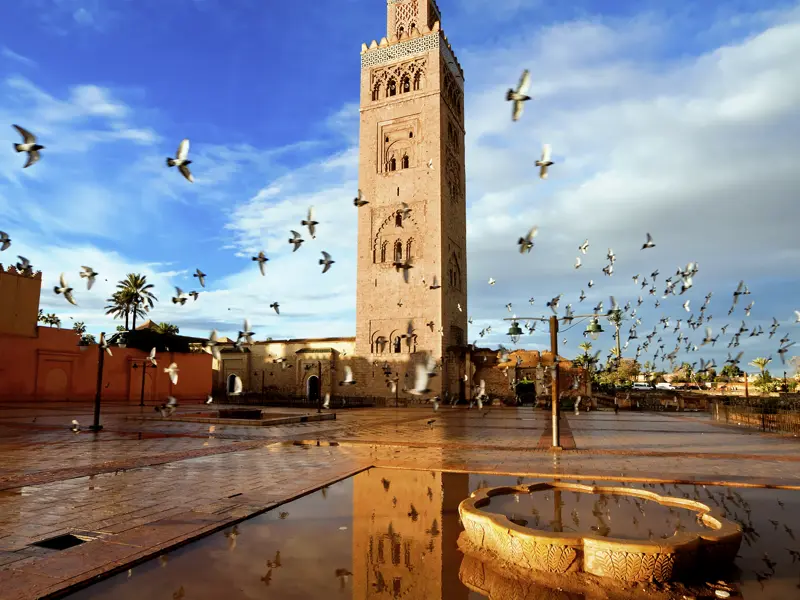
(144, 370)
(515, 331)
(594, 329)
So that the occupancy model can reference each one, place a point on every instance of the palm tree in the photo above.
(166, 329)
(118, 308)
(133, 297)
(79, 327)
(41, 317)
(585, 346)
(52, 320)
(761, 363)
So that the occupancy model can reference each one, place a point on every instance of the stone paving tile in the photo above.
(151, 485)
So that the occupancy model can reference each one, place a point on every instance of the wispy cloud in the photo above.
(8, 53)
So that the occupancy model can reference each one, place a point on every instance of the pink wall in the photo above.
(51, 366)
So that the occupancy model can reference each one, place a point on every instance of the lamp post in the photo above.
(101, 348)
(319, 387)
(593, 329)
(144, 370)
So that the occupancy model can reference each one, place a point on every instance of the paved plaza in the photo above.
(142, 486)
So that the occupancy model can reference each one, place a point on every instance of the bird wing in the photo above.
(27, 136)
(153, 353)
(246, 326)
(186, 173)
(183, 150)
(237, 385)
(481, 388)
(546, 153)
(421, 379)
(62, 281)
(310, 214)
(326, 256)
(295, 235)
(649, 238)
(261, 267)
(524, 82)
(518, 108)
(348, 373)
(33, 157)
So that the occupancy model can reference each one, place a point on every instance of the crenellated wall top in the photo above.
(12, 270)
(396, 47)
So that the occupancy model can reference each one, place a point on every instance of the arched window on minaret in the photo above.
(400, 31)
(409, 247)
(391, 88)
(405, 85)
(397, 348)
(392, 164)
(404, 161)
(417, 81)
(383, 251)
(376, 92)
(398, 220)
(398, 251)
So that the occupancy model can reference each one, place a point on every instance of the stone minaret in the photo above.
(412, 152)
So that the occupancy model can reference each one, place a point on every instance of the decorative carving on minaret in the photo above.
(395, 80)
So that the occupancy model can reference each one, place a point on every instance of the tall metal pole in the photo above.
(99, 392)
(555, 407)
(141, 397)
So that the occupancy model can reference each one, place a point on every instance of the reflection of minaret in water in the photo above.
(405, 528)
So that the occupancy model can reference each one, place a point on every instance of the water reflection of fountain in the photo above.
(405, 534)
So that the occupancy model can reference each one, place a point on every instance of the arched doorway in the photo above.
(231, 387)
(312, 389)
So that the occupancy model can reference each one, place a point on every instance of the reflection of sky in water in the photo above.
(325, 548)
(606, 515)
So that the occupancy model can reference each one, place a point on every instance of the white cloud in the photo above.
(7, 52)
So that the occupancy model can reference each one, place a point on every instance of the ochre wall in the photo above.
(51, 366)
(19, 302)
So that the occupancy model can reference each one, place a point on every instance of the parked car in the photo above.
(640, 386)
(665, 386)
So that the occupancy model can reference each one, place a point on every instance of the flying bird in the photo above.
(310, 223)
(29, 145)
(519, 95)
(326, 260)
(584, 247)
(577, 262)
(649, 243)
(24, 265)
(276, 307)
(210, 345)
(544, 162)
(262, 262)
(181, 161)
(420, 381)
(201, 277)
(179, 297)
(89, 275)
(63, 288)
(151, 358)
(172, 371)
(526, 243)
(491, 281)
(194, 294)
(359, 201)
(296, 240)
(348, 376)
(5, 241)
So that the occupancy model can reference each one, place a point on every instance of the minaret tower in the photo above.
(412, 153)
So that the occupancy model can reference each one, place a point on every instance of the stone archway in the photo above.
(312, 389)
(231, 384)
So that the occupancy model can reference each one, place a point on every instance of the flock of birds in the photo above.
(677, 284)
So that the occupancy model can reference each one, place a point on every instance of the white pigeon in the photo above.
(63, 288)
(210, 345)
(577, 262)
(797, 316)
(237, 386)
(310, 223)
(180, 297)
(151, 358)
(519, 95)
(544, 162)
(420, 381)
(29, 145)
(75, 426)
(172, 371)
(5, 241)
(649, 243)
(584, 246)
(209, 400)
(296, 240)
(686, 306)
(181, 161)
(326, 260)
(348, 376)
(430, 164)
(491, 281)
(327, 402)
(526, 243)
(89, 275)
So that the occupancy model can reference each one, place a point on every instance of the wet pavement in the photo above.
(141, 487)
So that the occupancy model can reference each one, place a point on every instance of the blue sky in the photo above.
(655, 112)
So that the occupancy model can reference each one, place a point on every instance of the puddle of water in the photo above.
(606, 515)
(387, 534)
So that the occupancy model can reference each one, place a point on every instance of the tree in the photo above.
(51, 319)
(135, 293)
(41, 317)
(761, 363)
(88, 338)
(79, 327)
(121, 328)
(731, 371)
(166, 329)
